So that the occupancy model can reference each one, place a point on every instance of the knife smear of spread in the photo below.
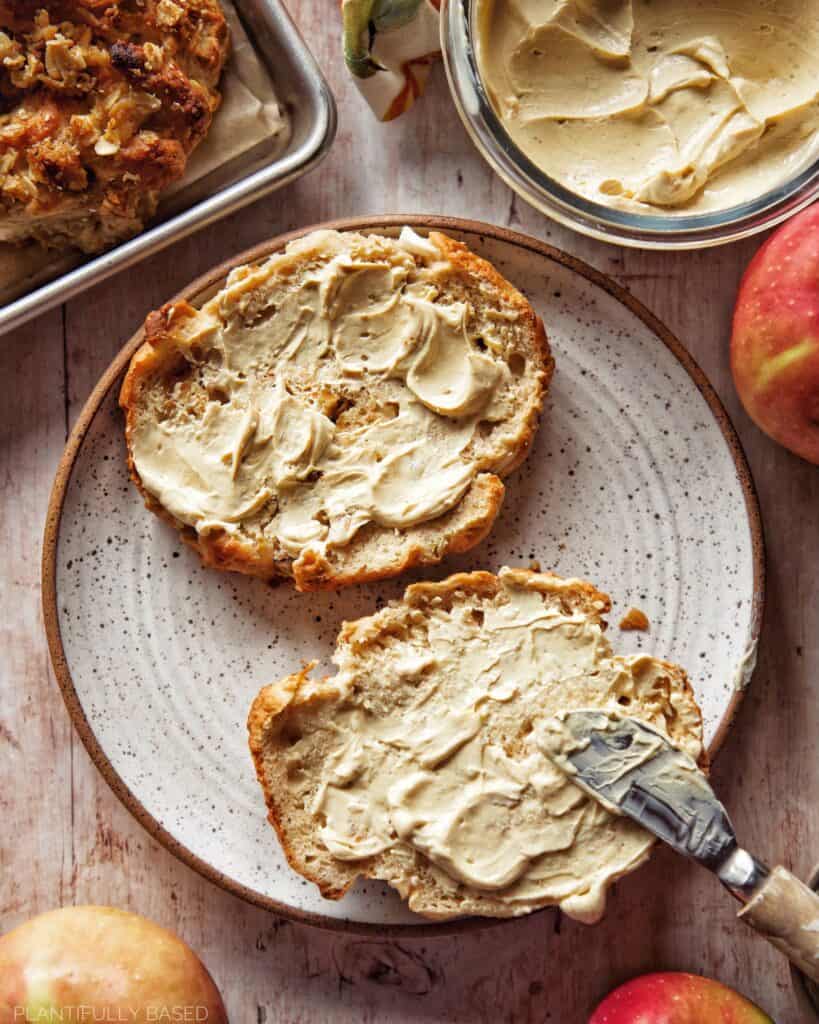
(609, 770)
(632, 769)
(678, 107)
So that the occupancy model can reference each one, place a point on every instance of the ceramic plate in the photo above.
(636, 481)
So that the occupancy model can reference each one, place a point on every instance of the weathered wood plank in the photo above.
(35, 735)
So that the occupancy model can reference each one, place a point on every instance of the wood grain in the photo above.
(66, 839)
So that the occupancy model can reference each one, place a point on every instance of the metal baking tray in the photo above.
(300, 88)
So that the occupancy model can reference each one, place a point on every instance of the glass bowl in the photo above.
(643, 231)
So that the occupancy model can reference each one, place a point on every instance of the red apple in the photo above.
(98, 963)
(775, 339)
(676, 998)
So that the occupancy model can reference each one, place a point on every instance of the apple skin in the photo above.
(122, 965)
(676, 998)
(775, 337)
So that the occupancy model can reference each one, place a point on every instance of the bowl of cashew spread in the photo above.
(656, 123)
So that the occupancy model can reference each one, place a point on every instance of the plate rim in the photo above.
(110, 378)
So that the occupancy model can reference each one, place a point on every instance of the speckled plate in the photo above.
(636, 481)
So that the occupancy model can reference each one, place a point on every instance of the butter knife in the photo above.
(633, 770)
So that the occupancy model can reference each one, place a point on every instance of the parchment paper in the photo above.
(249, 115)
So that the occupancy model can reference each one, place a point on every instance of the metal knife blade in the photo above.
(633, 770)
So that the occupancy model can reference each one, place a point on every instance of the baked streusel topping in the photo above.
(101, 104)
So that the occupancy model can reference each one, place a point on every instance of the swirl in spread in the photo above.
(458, 772)
(264, 450)
(679, 106)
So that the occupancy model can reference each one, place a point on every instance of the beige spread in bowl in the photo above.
(670, 106)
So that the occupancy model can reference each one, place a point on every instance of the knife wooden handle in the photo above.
(786, 912)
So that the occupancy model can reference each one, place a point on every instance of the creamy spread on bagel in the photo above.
(679, 106)
(466, 780)
(273, 447)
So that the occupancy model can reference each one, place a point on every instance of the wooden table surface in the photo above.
(65, 838)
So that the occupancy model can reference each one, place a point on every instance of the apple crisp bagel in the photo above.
(340, 413)
(423, 762)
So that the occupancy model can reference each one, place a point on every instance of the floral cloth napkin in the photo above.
(389, 46)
